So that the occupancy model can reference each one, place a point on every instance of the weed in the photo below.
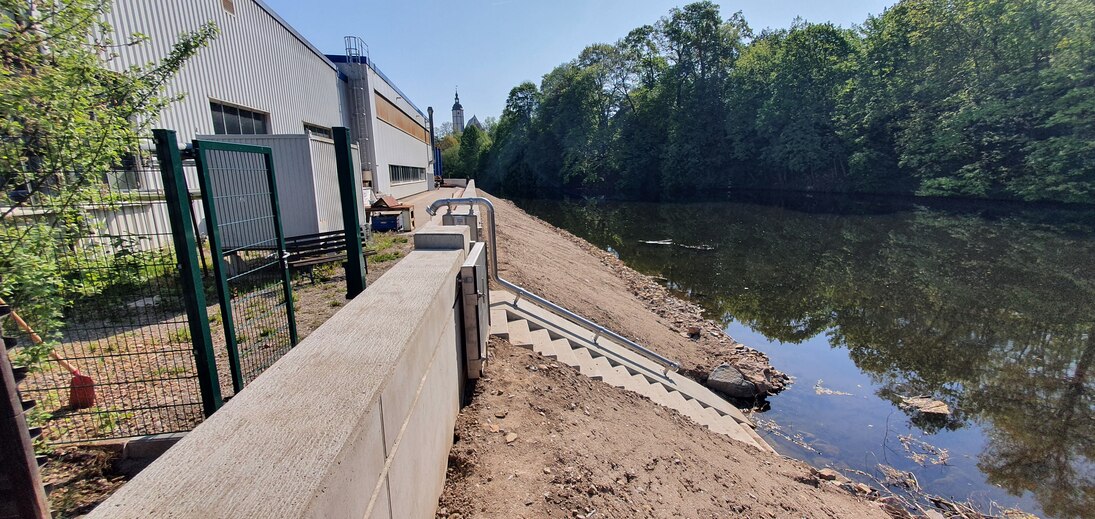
(335, 303)
(164, 371)
(109, 421)
(181, 335)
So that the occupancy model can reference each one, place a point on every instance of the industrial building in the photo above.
(260, 77)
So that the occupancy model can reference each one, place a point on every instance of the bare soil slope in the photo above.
(541, 440)
(570, 271)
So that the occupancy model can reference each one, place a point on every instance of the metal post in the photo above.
(350, 193)
(177, 196)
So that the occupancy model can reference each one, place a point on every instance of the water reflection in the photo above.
(988, 308)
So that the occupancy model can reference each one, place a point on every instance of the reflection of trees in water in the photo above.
(995, 316)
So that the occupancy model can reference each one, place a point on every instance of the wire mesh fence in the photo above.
(96, 270)
(256, 305)
(99, 264)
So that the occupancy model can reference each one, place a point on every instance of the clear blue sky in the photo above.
(427, 47)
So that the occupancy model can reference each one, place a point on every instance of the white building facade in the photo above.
(259, 76)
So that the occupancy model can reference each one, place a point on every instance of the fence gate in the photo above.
(240, 197)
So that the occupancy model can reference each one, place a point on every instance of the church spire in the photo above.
(457, 114)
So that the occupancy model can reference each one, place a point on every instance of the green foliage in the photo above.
(70, 117)
(933, 97)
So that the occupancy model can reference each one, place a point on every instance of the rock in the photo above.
(500, 414)
(828, 474)
(511, 437)
(693, 331)
(728, 380)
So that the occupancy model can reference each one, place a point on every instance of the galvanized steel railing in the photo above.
(554, 308)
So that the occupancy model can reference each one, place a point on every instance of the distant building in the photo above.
(457, 115)
(475, 122)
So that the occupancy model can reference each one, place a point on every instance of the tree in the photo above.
(68, 120)
(472, 143)
(932, 97)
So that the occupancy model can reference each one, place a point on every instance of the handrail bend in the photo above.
(598, 330)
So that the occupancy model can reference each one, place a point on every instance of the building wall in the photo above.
(255, 62)
(395, 146)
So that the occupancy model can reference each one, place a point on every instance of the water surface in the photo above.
(989, 308)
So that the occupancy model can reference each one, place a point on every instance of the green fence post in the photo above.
(177, 195)
(350, 193)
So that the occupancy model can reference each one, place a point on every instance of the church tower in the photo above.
(457, 115)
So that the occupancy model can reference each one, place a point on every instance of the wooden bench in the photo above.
(308, 250)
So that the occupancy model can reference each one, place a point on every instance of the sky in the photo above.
(486, 47)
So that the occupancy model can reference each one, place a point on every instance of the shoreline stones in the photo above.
(728, 380)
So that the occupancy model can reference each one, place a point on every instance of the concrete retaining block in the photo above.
(442, 237)
(356, 421)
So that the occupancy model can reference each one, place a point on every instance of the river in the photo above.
(989, 308)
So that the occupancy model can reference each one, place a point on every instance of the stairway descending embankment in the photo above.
(527, 325)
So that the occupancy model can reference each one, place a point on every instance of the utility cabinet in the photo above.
(475, 297)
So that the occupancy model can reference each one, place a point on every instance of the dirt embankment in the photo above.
(571, 271)
(542, 440)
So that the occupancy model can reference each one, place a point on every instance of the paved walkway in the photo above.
(425, 198)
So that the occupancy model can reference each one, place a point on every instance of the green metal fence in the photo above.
(239, 194)
(103, 260)
(135, 267)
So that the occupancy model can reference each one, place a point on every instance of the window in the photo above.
(317, 131)
(229, 6)
(404, 174)
(233, 120)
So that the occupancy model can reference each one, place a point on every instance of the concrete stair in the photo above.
(529, 326)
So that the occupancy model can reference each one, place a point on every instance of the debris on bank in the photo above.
(925, 405)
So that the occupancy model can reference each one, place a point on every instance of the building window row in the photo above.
(317, 131)
(404, 174)
(233, 120)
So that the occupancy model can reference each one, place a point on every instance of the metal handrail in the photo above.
(597, 329)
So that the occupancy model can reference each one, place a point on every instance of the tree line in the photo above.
(966, 98)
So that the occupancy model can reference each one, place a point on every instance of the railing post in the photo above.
(21, 492)
(176, 194)
(350, 193)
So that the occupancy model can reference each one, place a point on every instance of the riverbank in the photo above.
(541, 440)
(586, 279)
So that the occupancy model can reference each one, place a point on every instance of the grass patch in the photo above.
(387, 256)
(383, 241)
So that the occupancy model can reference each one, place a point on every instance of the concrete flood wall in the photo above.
(356, 421)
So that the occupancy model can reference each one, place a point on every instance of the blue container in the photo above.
(386, 222)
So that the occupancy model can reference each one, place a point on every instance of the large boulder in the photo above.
(728, 380)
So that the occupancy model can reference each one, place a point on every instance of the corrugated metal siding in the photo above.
(325, 172)
(254, 62)
(297, 196)
(394, 146)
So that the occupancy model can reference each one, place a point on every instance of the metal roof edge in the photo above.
(273, 14)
